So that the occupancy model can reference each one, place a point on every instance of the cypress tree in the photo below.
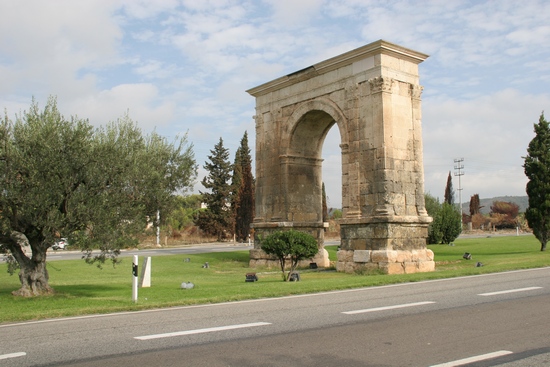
(537, 169)
(325, 208)
(474, 205)
(449, 192)
(236, 182)
(244, 209)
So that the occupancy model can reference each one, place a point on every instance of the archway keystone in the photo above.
(373, 95)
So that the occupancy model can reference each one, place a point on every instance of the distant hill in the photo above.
(521, 201)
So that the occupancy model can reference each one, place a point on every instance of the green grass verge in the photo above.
(83, 289)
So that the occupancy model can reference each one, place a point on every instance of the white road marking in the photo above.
(509, 291)
(200, 331)
(388, 307)
(12, 355)
(482, 357)
(261, 300)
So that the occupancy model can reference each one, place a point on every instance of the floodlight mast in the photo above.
(459, 167)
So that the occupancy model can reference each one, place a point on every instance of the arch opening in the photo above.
(304, 167)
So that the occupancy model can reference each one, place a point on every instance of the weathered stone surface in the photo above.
(361, 256)
(391, 268)
(321, 259)
(410, 267)
(373, 96)
(426, 266)
(403, 256)
(429, 254)
(383, 256)
(366, 268)
(349, 267)
(345, 255)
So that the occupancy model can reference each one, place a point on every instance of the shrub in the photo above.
(446, 225)
(504, 214)
(479, 220)
(292, 246)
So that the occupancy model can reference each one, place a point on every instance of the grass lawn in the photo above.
(83, 289)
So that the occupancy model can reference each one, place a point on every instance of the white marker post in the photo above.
(146, 273)
(135, 279)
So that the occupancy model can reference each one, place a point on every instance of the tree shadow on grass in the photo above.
(91, 290)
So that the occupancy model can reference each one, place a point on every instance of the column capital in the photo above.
(381, 84)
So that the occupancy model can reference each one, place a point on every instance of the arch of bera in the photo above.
(373, 95)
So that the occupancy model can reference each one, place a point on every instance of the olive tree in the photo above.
(290, 245)
(96, 186)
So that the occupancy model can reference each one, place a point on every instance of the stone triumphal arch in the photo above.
(373, 95)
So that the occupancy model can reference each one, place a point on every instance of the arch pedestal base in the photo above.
(261, 230)
(375, 246)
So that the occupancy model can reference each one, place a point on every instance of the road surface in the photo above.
(488, 320)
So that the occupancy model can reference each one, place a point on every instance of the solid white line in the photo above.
(269, 299)
(482, 357)
(12, 355)
(509, 291)
(388, 307)
(200, 331)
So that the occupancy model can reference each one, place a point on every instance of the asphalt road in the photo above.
(440, 323)
(191, 249)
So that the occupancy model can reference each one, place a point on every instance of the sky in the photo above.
(183, 67)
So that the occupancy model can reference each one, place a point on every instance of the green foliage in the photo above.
(185, 212)
(449, 192)
(336, 214)
(446, 224)
(325, 208)
(432, 204)
(537, 169)
(291, 245)
(63, 178)
(244, 198)
(449, 223)
(433, 207)
(217, 218)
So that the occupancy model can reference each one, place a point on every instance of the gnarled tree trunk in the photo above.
(33, 273)
(34, 279)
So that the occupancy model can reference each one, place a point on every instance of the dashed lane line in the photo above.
(201, 331)
(12, 355)
(509, 291)
(385, 308)
(473, 359)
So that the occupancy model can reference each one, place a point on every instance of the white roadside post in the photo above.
(135, 279)
(146, 273)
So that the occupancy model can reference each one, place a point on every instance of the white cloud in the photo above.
(185, 65)
(491, 132)
(140, 101)
(295, 14)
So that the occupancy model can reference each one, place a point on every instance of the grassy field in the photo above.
(83, 289)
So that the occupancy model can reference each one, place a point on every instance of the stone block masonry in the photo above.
(372, 94)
